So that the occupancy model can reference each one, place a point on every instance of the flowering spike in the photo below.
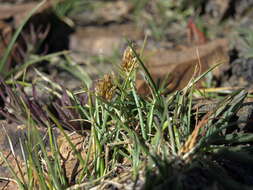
(129, 61)
(105, 87)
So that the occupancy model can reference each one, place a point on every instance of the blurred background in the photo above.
(96, 33)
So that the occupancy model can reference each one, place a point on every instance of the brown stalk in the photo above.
(192, 139)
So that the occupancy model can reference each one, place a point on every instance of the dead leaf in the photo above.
(5, 35)
(194, 34)
(8, 185)
(19, 11)
(193, 138)
(180, 65)
(70, 161)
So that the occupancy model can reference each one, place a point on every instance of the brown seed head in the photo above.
(129, 61)
(105, 87)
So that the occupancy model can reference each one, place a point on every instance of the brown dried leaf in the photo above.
(5, 35)
(193, 138)
(180, 65)
(70, 161)
(20, 11)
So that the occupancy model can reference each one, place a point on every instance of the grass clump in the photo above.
(126, 134)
